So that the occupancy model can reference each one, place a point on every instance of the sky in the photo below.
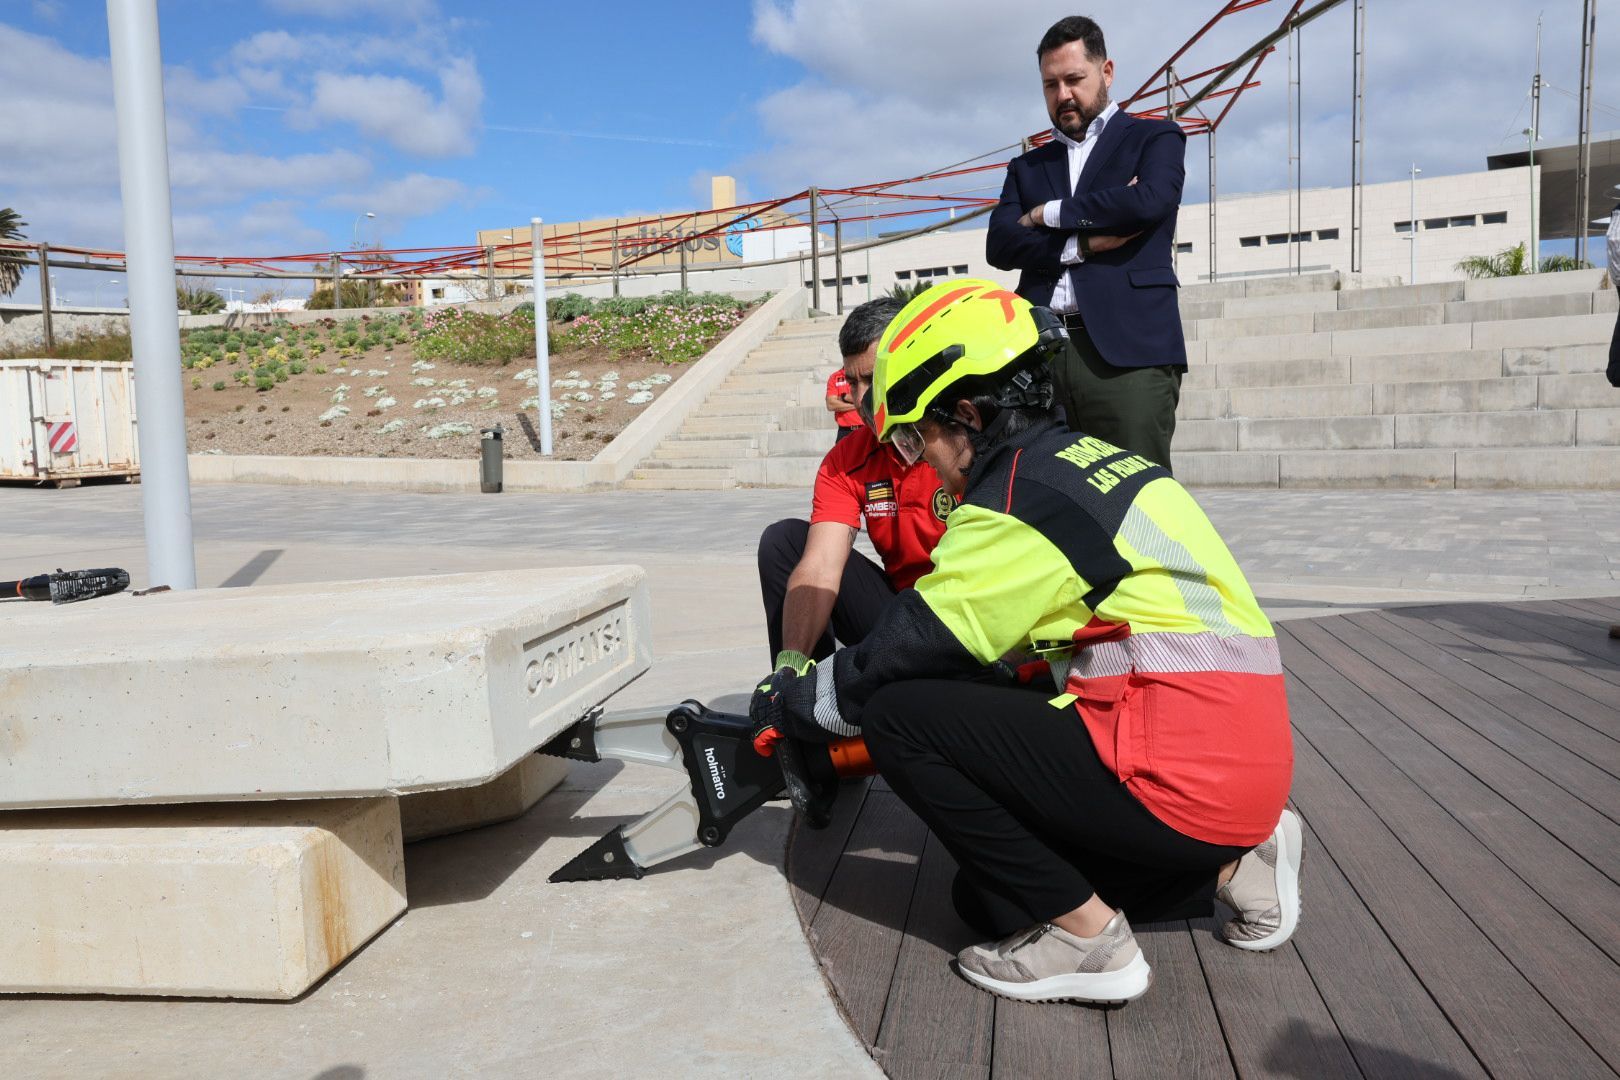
(290, 120)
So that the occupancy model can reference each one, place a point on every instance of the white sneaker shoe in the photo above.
(1044, 963)
(1264, 891)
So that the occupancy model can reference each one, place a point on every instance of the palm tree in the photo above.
(1515, 261)
(11, 226)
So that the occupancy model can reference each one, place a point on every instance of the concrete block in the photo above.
(1606, 301)
(1533, 333)
(1415, 431)
(1586, 467)
(805, 418)
(1205, 435)
(1597, 427)
(1197, 353)
(706, 449)
(1325, 371)
(1463, 364)
(1201, 309)
(1319, 433)
(1294, 401)
(1402, 339)
(452, 810)
(1232, 469)
(1205, 291)
(1256, 326)
(1289, 346)
(1586, 391)
(1200, 378)
(795, 444)
(1288, 284)
(1569, 281)
(1375, 318)
(651, 479)
(1520, 307)
(794, 472)
(1201, 404)
(1439, 292)
(309, 690)
(1455, 396)
(1555, 360)
(233, 901)
(1286, 304)
(1367, 469)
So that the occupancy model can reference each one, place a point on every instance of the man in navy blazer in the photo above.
(1090, 219)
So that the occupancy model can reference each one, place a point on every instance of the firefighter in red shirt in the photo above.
(841, 403)
(815, 585)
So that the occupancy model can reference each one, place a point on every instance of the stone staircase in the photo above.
(1300, 383)
(1297, 382)
(767, 425)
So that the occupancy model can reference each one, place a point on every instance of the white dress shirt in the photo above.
(1614, 248)
(1063, 300)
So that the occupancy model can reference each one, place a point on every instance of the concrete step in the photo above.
(1555, 360)
(1453, 365)
(1572, 467)
(793, 470)
(805, 418)
(797, 443)
(1545, 332)
(752, 379)
(679, 480)
(1456, 396)
(1532, 285)
(1487, 395)
(730, 427)
(1294, 304)
(1440, 292)
(1414, 431)
(1323, 371)
(703, 449)
(804, 366)
(1585, 391)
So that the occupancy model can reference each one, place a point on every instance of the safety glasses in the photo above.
(907, 442)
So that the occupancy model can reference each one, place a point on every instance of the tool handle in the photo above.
(34, 588)
(850, 757)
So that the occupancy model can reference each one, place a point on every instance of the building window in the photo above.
(1498, 218)
(860, 279)
(959, 269)
(1466, 221)
(1184, 249)
(1277, 238)
(1301, 237)
(438, 294)
(1403, 226)
(1327, 234)
(941, 271)
(1435, 223)
(1250, 241)
(902, 275)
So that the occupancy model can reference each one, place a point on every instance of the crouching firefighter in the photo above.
(1156, 779)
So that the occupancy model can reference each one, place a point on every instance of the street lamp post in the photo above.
(368, 214)
(1414, 236)
(1535, 245)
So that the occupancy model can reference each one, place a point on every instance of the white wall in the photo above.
(1386, 252)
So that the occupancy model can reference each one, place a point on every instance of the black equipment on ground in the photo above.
(68, 586)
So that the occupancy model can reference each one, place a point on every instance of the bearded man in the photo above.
(1090, 219)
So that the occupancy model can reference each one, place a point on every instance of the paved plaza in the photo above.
(701, 967)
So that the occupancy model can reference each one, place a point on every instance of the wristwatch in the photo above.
(1085, 244)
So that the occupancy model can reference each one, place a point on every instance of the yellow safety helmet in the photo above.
(954, 330)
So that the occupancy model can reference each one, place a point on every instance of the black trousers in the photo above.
(1015, 791)
(1614, 350)
(1132, 407)
(862, 594)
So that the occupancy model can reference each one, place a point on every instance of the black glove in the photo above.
(784, 705)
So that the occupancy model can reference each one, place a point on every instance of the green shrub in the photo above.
(297, 367)
(264, 381)
(220, 385)
(460, 337)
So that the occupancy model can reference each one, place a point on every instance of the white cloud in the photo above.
(401, 112)
(416, 195)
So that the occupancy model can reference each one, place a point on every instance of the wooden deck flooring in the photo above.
(1458, 771)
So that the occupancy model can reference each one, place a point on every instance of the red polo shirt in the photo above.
(904, 506)
(838, 386)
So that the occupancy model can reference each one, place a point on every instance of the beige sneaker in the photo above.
(1264, 890)
(1044, 963)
